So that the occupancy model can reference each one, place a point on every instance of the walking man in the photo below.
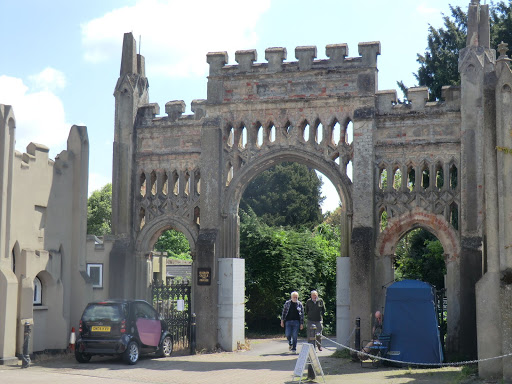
(292, 319)
(315, 310)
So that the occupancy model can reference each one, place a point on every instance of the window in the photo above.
(38, 292)
(95, 272)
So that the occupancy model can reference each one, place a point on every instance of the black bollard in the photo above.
(311, 340)
(357, 341)
(25, 357)
(193, 335)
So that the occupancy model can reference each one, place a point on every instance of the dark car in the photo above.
(122, 327)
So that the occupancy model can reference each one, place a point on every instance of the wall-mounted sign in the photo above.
(204, 276)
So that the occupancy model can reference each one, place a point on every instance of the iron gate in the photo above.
(172, 302)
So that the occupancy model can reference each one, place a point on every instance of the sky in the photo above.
(60, 59)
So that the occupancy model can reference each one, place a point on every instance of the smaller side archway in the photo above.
(437, 225)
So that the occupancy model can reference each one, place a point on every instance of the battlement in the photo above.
(336, 53)
(174, 110)
(249, 80)
(387, 101)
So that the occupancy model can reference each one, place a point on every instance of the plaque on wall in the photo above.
(204, 276)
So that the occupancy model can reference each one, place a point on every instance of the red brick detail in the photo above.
(436, 224)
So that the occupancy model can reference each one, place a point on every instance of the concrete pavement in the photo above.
(268, 361)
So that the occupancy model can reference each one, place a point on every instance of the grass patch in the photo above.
(341, 354)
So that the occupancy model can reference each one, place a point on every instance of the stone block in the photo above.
(369, 52)
(305, 55)
(175, 109)
(217, 60)
(245, 59)
(275, 57)
(336, 53)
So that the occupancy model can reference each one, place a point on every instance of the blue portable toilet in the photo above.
(410, 317)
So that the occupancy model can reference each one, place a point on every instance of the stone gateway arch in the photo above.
(188, 172)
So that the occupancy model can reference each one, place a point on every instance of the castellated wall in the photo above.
(43, 264)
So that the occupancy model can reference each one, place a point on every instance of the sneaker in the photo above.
(290, 347)
(319, 348)
(294, 351)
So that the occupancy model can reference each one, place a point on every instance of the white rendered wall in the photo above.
(343, 326)
(231, 330)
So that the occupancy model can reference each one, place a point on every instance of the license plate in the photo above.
(97, 328)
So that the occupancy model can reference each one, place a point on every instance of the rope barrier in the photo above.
(454, 364)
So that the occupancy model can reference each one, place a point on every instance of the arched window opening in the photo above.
(288, 128)
(197, 180)
(142, 184)
(453, 177)
(187, 183)
(411, 178)
(38, 292)
(439, 176)
(335, 133)
(319, 135)
(231, 137)
(243, 138)
(175, 183)
(229, 176)
(259, 141)
(271, 133)
(142, 218)
(197, 215)
(454, 215)
(305, 133)
(383, 219)
(397, 179)
(425, 178)
(173, 247)
(349, 169)
(13, 261)
(383, 179)
(349, 133)
(153, 183)
(337, 159)
(165, 184)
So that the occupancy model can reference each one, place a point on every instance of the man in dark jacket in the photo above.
(292, 319)
(315, 310)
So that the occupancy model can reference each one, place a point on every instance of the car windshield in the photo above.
(112, 312)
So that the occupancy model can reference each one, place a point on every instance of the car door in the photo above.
(148, 324)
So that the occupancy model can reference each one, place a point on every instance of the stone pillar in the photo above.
(362, 239)
(474, 61)
(343, 321)
(131, 92)
(231, 303)
(205, 288)
(8, 281)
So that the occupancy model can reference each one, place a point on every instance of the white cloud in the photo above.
(39, 113)
(425, 10)
(48, 80)
(175, 35)
(97, 181)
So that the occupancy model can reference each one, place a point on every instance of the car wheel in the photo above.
(82, 357)
(165, 349)
(131, 355)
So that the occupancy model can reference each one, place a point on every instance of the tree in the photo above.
(175, 244)
(288, 194)
(279, 261)
(99, 211)
(439, 63)
(420, 255)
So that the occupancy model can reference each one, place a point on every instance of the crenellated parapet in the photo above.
(417, 101)
(147, 114)
(307, 77)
